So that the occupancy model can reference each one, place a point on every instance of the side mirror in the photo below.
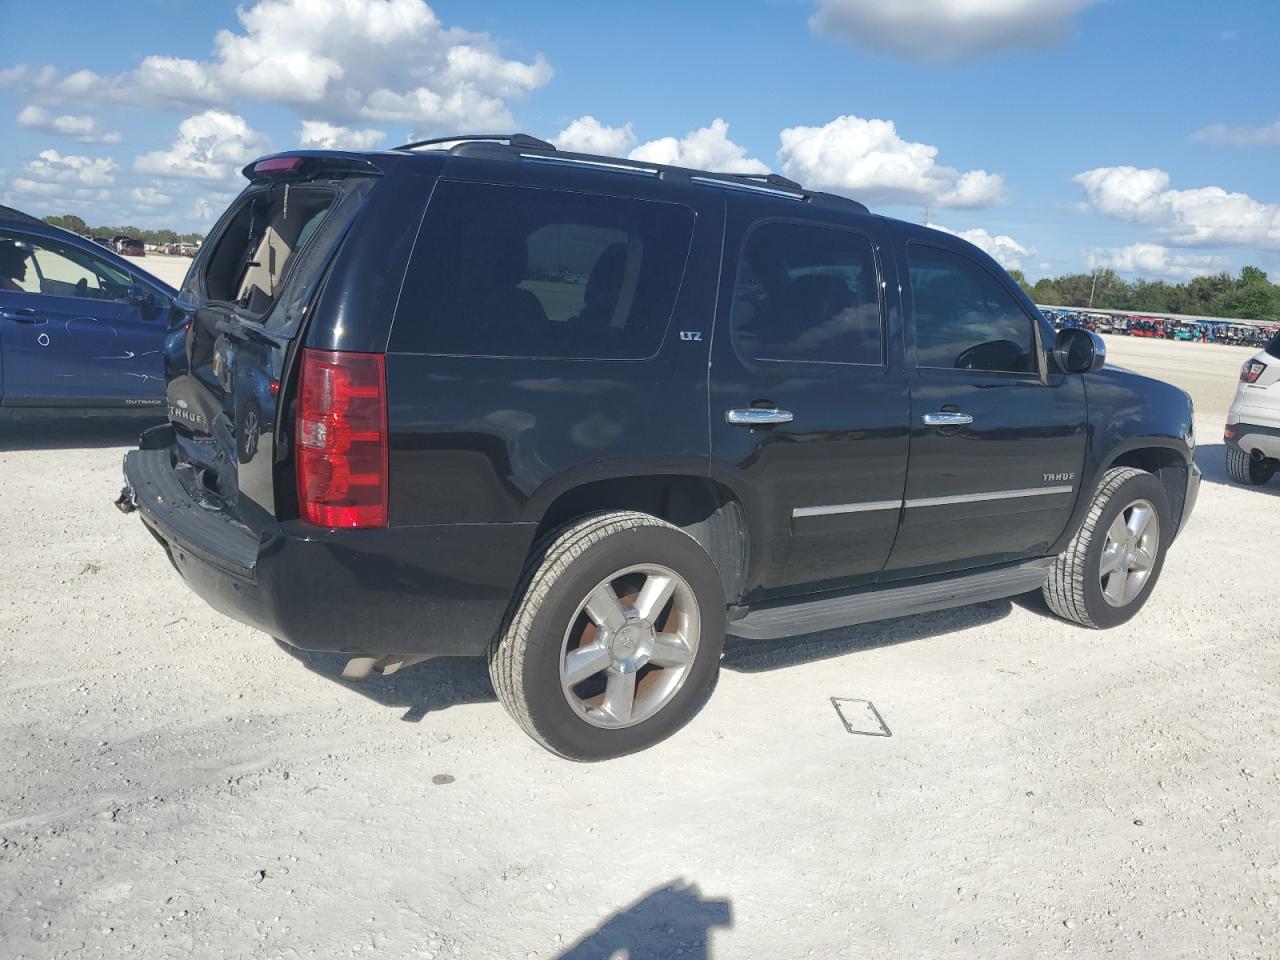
(139, 296)
(1079, 351)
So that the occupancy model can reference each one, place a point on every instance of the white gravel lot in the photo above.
(173, 784)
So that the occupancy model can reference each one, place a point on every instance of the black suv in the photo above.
(586, 416)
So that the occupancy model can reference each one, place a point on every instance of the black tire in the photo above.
(1242, 468)
(1073, 589)
(525, 660)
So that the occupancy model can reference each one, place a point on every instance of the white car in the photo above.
(1253, 424)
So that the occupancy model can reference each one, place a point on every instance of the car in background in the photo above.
(130, 247)
(1252, 435)
(81, 329)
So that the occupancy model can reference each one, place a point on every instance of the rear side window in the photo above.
(507, 271)
(251, 256)
(1273, 346)
(807, 294)
(964, 319)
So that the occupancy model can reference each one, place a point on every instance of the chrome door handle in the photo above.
(947, 419)
(23, 315)
(758, 416)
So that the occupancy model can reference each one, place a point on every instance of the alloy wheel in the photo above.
(1130, 552)
(630, 646)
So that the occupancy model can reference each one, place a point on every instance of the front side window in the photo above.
(964, 319)
(807, 294)
(506, 271)
(37, 265)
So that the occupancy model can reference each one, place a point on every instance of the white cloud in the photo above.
(1155, 260)
(210, 146)
(318, 135)
(708, 148)
(1001, 247)
(340, 60)
(869, 161)
(150, 196)
(589, 135)
(50, 166)
(948, 31)
(1268, 136)
(37, 187)
(81, 128)
(1206, 216)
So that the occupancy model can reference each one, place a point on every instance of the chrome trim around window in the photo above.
(833, 508)
(989, 495)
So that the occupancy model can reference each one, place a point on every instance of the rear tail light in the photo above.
(1251, 371)
(1231, 432)
(342, 439)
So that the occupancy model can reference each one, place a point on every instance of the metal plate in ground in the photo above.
(860, 717)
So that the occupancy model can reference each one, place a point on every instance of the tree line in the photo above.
(1249, 296)
(76, 225)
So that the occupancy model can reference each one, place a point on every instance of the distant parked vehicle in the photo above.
(131, 247)
(105, 242)
(1253, 424)
(81, 329)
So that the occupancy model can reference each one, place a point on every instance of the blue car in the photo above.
(81, 328)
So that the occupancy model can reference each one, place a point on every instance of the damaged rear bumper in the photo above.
(436, 590)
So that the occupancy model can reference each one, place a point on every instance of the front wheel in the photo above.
(1111, 565)
(615, 639)
(1243, 468)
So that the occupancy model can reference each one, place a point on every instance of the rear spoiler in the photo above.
(308, 164)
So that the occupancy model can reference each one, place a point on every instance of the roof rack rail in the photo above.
(772, 179)
(521, 141)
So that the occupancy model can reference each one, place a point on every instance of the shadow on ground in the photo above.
(56, 433)
(675, 920)
(1212, 460)
(424, 688)
(444, 682)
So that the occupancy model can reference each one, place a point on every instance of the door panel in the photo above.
(69, 332)
(999, 489)
(823, 489)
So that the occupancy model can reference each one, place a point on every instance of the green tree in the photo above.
(68, 221)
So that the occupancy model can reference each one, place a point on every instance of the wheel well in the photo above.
(702, 508)
(1169, 468)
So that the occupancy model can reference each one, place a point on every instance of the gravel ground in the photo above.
(173, 784)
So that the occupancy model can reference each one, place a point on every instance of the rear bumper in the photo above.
(435, 590)
(1251, 435)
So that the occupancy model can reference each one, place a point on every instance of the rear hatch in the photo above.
(250, 289)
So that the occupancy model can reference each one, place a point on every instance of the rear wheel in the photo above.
(1243, 468)
(615, 639)
(1110, 567)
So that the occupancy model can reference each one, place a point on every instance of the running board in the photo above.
(779, 619)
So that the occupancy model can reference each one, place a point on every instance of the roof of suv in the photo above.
(521, 147)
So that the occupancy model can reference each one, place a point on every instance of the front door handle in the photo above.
(23, 315)
(947, 419)
(758, 416)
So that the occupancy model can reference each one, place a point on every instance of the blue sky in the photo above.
(1059, 134)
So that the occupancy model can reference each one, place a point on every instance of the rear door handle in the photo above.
(947, 419)
(758, 416)
(23, 315)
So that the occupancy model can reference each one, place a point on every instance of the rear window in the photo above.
(507, 271)
(251, 257)
(1273, 345)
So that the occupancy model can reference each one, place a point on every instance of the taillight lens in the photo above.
(341, 439)
(1251, 371)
